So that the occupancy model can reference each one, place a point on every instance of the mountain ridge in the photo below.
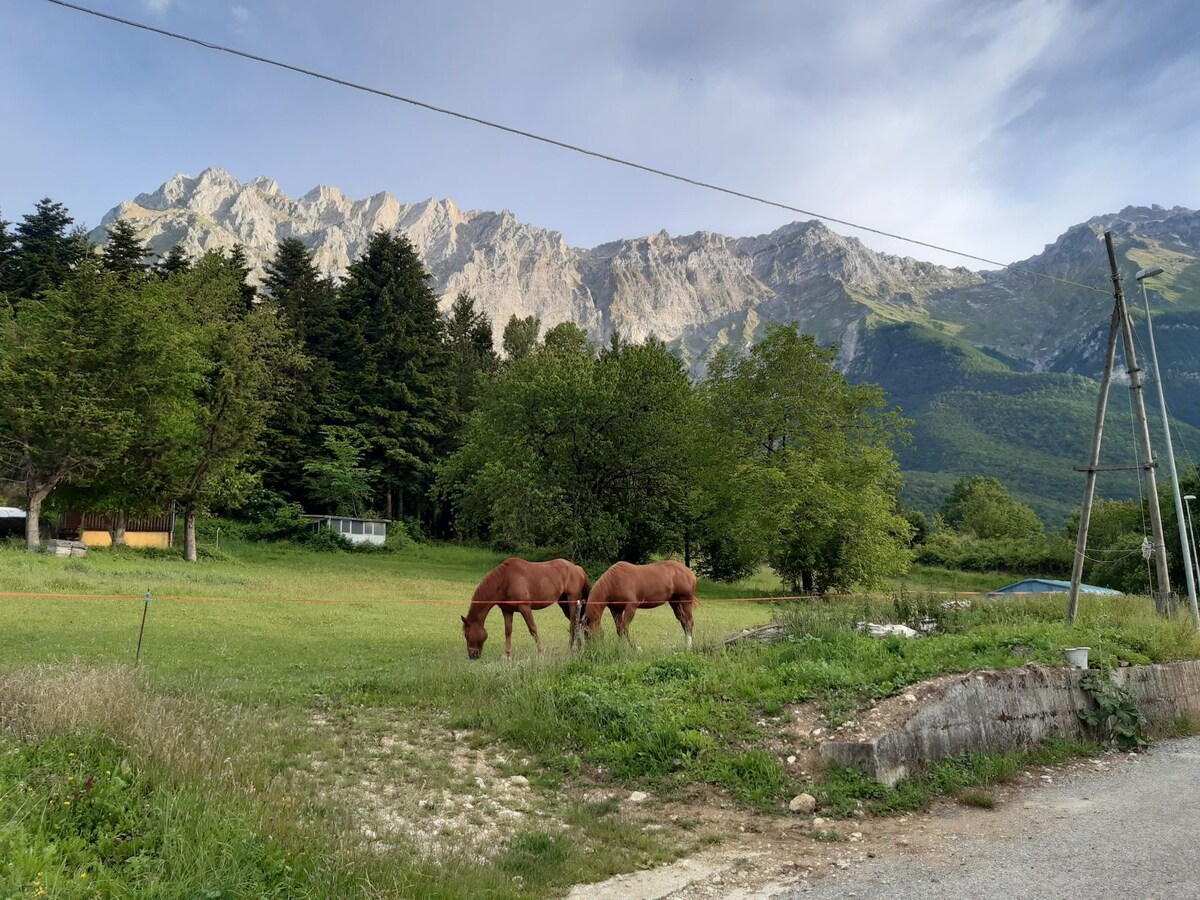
(703, 291)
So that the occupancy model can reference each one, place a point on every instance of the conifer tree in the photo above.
(175, 261)
(471, 353)
(307, 307)
(124, 255)
(7, 248)
(400, 377)
(241, 265)
(47, 251)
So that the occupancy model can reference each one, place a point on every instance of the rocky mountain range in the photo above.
(707, 290)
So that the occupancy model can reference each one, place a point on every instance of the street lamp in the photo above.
(1142, 275)
(1188, 498)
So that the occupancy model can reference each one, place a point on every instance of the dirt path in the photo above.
(926, 856)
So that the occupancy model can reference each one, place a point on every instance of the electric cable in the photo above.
(564, 145)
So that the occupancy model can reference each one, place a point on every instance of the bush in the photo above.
(1050, 555)
(324, 540)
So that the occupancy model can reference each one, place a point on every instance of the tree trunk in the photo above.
(189, 534)
(117, 534)
(806, 578)
(687, 547)
(33, 512)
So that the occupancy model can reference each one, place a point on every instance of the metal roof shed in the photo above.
(1048, 586)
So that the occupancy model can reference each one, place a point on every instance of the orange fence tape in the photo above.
(426, 601)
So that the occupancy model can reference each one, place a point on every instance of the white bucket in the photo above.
(1077, 656)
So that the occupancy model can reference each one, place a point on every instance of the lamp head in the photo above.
(1189, 497)
(1148, 273)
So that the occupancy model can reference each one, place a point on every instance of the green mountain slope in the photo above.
(978, 413)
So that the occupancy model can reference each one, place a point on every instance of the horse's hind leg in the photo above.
(623, 618)
(682, 607)
(527, 615)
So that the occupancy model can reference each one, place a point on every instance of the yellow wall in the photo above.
(132, 539)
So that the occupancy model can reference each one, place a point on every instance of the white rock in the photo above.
(803, 803)
(519, 781)
(638, 797)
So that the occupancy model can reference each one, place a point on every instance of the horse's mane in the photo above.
(491, 581)
(611, 575)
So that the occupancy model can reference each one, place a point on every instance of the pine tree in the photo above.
(175, 261)
(8, 246)
(125, 255)
(307, 307)
(47, 251)
(471, 353)
(401, 376)
(293, 282)
(241, 264)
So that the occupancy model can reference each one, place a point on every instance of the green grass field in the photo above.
(314, 716)
(257, 638)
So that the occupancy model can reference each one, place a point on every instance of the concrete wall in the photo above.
(1009, 709)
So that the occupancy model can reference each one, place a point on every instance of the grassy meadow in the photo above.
(307, 724)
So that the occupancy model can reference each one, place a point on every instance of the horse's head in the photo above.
(475, 634)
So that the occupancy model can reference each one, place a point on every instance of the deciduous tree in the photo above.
(808, 480)
(520, 336)
(88, 372)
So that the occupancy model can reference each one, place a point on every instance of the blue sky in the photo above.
(987, 126)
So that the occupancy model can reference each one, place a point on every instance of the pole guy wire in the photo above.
(564, 145)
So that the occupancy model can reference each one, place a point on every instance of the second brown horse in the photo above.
(520, 586)
(626, 588)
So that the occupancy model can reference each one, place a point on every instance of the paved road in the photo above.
(1131, 834)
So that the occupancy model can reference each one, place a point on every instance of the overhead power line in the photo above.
(574, 148)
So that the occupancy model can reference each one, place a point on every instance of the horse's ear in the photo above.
(464, 618)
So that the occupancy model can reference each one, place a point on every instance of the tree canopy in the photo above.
(129, 387)
(983, 507)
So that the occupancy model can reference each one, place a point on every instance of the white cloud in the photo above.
(158, 7)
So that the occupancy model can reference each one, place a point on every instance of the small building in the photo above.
(95, 529)
(12, 521)
(353, 529)
(1048, 586)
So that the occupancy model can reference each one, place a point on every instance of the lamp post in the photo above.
(1188, 498)
(1142, 275)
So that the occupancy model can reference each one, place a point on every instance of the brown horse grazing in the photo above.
(626, 588)
(517, 585)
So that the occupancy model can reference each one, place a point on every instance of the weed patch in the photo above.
(846, 791)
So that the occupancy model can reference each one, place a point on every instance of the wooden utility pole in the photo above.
(1089, 492)
(1162, 597)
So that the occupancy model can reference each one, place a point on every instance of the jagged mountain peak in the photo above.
(700, 290)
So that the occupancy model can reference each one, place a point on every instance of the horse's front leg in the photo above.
(623, 620)
(571, 610)
(527, 613)
(507, 612)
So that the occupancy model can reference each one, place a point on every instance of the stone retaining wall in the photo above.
(1009, 709)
